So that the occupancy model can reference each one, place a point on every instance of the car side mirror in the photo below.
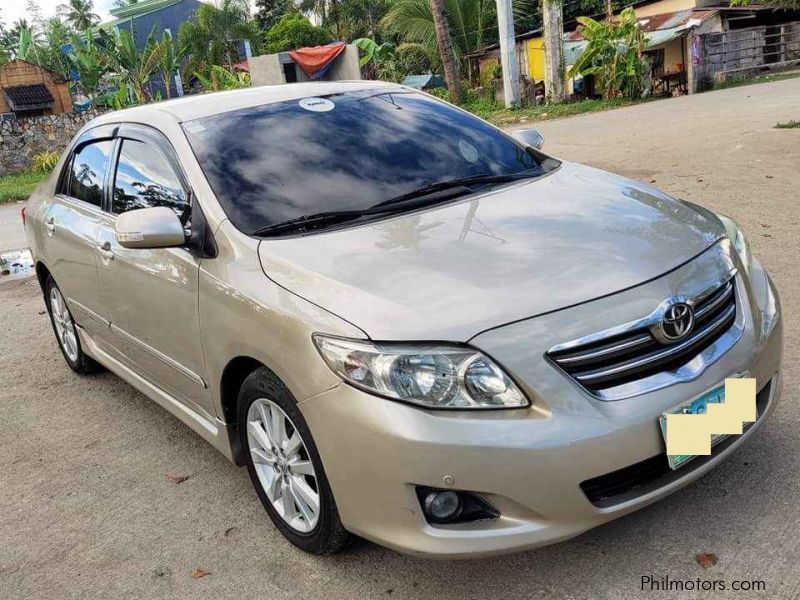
(157, 227)
(529, 137)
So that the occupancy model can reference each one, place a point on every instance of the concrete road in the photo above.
(87, 511)
(12, 234)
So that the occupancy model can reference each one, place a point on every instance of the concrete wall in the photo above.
(267, 69)
(21, 139)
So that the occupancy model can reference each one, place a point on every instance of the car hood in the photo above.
(452, 271)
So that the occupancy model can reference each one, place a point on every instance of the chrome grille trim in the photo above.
(632, 365)
(627, 360)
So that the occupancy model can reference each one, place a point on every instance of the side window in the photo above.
(87, 171)
(145, 179)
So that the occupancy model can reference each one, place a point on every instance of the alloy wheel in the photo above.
(283, 465)
(65, 327)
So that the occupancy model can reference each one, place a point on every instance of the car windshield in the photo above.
(285, 161)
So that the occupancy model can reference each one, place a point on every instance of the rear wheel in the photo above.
(285, 467)
(66, 332)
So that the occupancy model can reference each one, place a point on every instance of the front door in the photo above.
(71, 221)
(151, 295)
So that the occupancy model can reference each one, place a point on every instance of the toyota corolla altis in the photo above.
(407, 324)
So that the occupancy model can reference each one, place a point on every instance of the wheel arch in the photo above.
(42, 273)
(233, 376)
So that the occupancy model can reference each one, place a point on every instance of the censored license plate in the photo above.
(698, 406)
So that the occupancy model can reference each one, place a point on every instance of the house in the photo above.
(28, 90)
(689, 42)
(156, 16)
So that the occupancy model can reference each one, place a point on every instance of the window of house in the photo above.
(145, 179)
(87, 172)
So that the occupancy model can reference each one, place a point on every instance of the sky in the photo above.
(11, 10)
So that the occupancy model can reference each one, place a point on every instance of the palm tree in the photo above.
(78, 13)
(445, 44)
(473, 23)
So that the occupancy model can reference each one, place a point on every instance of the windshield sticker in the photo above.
(468, 151)
(317, 104)
(193, 127)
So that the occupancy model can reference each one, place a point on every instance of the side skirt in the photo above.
(214, 432)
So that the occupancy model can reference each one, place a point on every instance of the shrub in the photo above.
(45, 161)
(294, 31)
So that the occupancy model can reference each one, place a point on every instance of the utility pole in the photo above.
(451, 74)
(508, 53)
(553, 21)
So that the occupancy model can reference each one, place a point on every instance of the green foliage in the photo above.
(414, 59)
(614, 55)
(170, 59)
(117, 97)
(222, 79)
(473, 23)
(86, 59)
(79, 14)
(269, 11)
(373, 52)
(45, 161)
(788, 125)
(777, 4)
(212, 35)
(293, 31)
(132, 67)
(20, 185)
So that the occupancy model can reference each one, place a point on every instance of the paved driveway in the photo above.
(86, 509)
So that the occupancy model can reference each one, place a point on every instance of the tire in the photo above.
(66, 332)
(281, 474)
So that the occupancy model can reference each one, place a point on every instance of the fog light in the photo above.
(443, 506)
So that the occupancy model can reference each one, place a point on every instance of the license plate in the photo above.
(698, 406)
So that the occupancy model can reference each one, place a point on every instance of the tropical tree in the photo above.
(50, 53)
(79, 14)
(292, 31)
(472, 23)
(378, 60)
(269, 11)
(171, 57)
(222, 79)
(132, 67)
(445, 45)
(87, 61)
(212, 36)
(614, 55)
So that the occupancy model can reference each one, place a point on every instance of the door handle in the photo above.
(50, 225)
(105, 251)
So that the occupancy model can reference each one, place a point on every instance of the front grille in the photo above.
(636, 354)
(650, 474)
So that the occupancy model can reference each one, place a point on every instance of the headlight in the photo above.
(433, 376)
(736, 236)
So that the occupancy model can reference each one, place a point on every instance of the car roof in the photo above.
(203, 105)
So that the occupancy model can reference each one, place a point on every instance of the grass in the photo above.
(732, 82)
(788, 125)
(503, 116)
(20, 186)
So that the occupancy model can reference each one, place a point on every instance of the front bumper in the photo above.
(528, 463)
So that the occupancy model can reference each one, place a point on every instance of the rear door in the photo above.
(71, 221)
(151, 295)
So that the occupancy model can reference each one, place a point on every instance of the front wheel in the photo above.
(66, 331)
(285, 467)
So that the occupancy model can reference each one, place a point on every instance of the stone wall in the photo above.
(20, 139)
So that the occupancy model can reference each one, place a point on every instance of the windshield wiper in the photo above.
(460, 182)
(429, 194)
(321, 219)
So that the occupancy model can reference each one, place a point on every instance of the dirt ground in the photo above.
(87, 509)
